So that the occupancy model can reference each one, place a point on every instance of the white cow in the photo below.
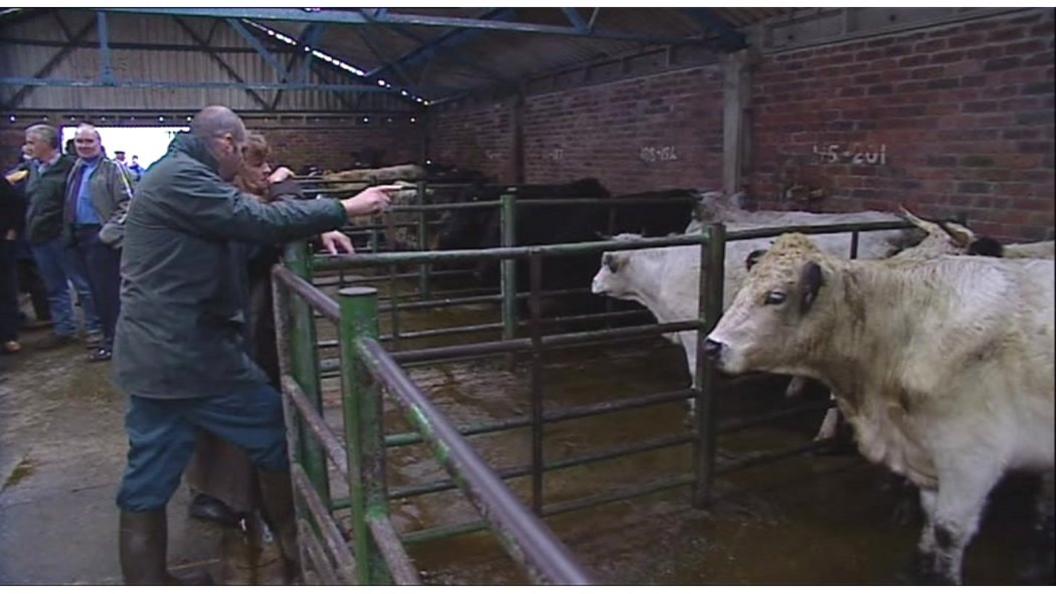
(953, 239)
(943, 366)
(666, 280)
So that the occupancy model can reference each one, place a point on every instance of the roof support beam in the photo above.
(257, 45)
(448, 40)
(219, 61)
(729, 38)
(576, 20)
(240, 84)
(106, 71)
(20, 96)
(358, 18)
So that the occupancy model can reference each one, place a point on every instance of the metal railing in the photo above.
(383, 368)
(375, 553)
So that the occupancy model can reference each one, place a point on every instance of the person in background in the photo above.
(136, 168)
(29, 280)
(179, 350)
(96, 203)
(45, 195)
(12, 216)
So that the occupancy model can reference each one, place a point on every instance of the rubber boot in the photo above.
(142, 543)
(276, 495)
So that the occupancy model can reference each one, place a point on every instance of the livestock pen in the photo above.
(354, 386)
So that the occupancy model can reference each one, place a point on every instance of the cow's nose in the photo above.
(712, 349)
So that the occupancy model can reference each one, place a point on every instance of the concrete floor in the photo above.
(62, 451)
(809, 520)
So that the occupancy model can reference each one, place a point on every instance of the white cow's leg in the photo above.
(961, 498)
(926, 546)
(830, 423)
(796, 386)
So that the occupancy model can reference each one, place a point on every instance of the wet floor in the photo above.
(812, 519)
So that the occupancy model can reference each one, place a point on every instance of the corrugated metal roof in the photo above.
(480, 58)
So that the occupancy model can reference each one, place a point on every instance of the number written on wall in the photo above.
(652, 154)
(855, 154)
(555, 154)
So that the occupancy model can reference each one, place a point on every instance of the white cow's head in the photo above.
(614, 278)
(779, 315)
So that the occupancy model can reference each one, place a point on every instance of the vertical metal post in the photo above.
(283, 337)
(508, 218)
(106, 71)
(364, 432)
(535, 273)
(610, 228)
(305, 365)
(712, 256)
(394, 289)
(854, 244)
(423, 244)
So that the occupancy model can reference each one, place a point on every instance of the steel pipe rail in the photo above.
(523, 535)
(305, 290)
(334, 541)
(388, 541)
(315, 423)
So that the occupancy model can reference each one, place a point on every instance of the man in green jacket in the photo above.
(58, 267)
(179, 351)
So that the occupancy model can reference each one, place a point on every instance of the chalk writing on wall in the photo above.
(856, 154)
(654, 154)
(554, 154)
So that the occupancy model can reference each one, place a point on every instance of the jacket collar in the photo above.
(195, 148)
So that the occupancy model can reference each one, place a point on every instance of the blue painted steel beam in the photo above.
(131, 84)
(448, 40)
(730, 39)
(106, 73)
(257, 45)
(310, 39)
(576, 20)
(358, 18)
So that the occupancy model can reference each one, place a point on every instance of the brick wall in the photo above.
(479, 137)
(964, 114)
(332, 148)
(653, 132)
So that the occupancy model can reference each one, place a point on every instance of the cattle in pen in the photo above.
(666, 280)
(943, 366)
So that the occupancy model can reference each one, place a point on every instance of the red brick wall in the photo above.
(332, 148)
(964, 113)
(653, 132)
(479, 137)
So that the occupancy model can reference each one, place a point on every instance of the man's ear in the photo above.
(811, 280)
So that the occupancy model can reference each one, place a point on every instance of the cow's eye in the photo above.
(612, 264)
(775, 298)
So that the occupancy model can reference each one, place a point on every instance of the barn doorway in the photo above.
(146, 143)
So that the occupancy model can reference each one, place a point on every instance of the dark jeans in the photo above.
(59, 269)
(8, 291)
(102, 264)
(161, 437)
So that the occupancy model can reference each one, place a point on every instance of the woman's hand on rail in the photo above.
(332, 240)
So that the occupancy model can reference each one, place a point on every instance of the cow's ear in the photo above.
(810, 282)
(753, 258)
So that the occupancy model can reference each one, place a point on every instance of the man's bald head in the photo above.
(88, 142)
(225, 135)
(215, 121)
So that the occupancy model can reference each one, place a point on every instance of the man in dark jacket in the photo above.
(179, 349)
(44, 193)
(97, 196)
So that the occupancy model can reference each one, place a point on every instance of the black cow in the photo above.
(551, 224)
